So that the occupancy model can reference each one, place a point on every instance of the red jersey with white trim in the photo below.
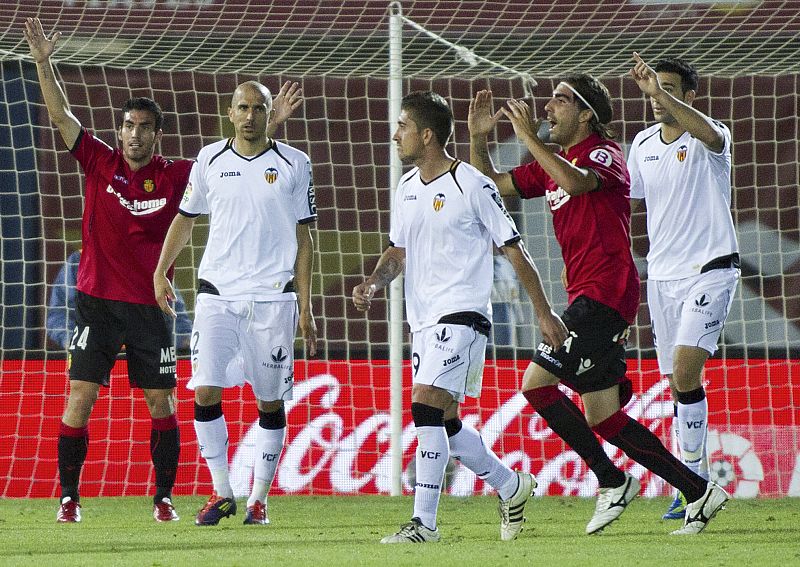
(126, 216)
(593, 229)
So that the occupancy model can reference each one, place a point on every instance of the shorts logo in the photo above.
(279, 354)
(438, 202)
(271, 175)
(585, 365)
(702, 300)
(682, 151)
(444, 335)
(149, 186)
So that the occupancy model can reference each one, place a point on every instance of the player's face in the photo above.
(249, 113)
(139, 136)
(563, 113)
(671, 83)
(408, 137)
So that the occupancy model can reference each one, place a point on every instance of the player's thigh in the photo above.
(150, 347)
(592, 357)
(708, 300)
(450, 357)
(267, 349)
(665, 303)
(96, 339)
(215, 342)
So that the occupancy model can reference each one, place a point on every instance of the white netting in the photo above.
(189, 55)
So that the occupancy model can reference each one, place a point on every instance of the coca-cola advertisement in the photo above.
(339, 431)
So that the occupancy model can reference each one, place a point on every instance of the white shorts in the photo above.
(234, 342)
(689, 312)
(449, 357)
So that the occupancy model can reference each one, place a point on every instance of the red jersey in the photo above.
(125, 220)
(593, 229)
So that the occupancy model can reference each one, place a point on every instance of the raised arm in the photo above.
(288, 99)
(690, 119)
(303, 267)
(481, 121)
(177, 236)
(391, 264)
(42, 49)
(574, 180)
(554, 332)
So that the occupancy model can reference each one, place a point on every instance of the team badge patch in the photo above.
(682, 151)
(271, 175)
(438, 202)
(149, 186)
(186, 194)
(602, 157)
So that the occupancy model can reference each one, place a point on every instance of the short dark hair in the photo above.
(687, 73)
(430, 110)
(597, 95)
(148, 104)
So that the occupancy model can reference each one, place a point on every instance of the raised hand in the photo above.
(288, 99)
(481, 121)
(645, 77)
(526, 127)
(41, 47)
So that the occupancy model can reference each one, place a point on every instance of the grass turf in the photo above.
(330, 531)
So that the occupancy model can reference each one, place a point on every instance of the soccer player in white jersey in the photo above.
(681, 168)
(445, 219)
(255, 270)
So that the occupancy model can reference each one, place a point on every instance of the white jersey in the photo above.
(254, 205)
(687, 189)
(447, 227)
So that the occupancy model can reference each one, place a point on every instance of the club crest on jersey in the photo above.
(682, 151)
(601, 156)
(271, 175)
(438, 202)
(149, 186)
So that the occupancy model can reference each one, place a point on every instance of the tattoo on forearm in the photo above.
(386, 271)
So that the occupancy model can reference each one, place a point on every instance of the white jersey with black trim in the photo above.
(447, 227)
(254, 205)
(687, 190)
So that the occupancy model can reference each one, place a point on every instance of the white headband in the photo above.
(583, 100)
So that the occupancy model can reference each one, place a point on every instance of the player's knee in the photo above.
(160, 402)
(427, 416)
(207, 395)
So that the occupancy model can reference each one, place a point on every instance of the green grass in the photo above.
(330, 531)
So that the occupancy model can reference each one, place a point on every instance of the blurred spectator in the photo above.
(61, 308)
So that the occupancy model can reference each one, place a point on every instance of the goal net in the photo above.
(189, 55)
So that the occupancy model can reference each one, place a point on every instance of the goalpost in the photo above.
(349, 425)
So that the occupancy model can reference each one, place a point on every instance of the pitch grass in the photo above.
(332, 531)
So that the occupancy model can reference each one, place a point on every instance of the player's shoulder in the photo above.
(409, 176)
(289, 153)
(646, 134)
(470, 178)
(213, 150)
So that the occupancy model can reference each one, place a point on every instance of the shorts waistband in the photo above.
(469, 319)
(722, 263)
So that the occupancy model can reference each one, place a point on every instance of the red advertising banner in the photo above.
(338, 431)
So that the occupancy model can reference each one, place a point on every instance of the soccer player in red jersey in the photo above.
(131, 197)
(587, 185)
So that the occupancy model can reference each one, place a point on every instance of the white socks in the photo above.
(269, 445)
(213, 439)
(692, 433)
(431, 459)
(468, 447)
